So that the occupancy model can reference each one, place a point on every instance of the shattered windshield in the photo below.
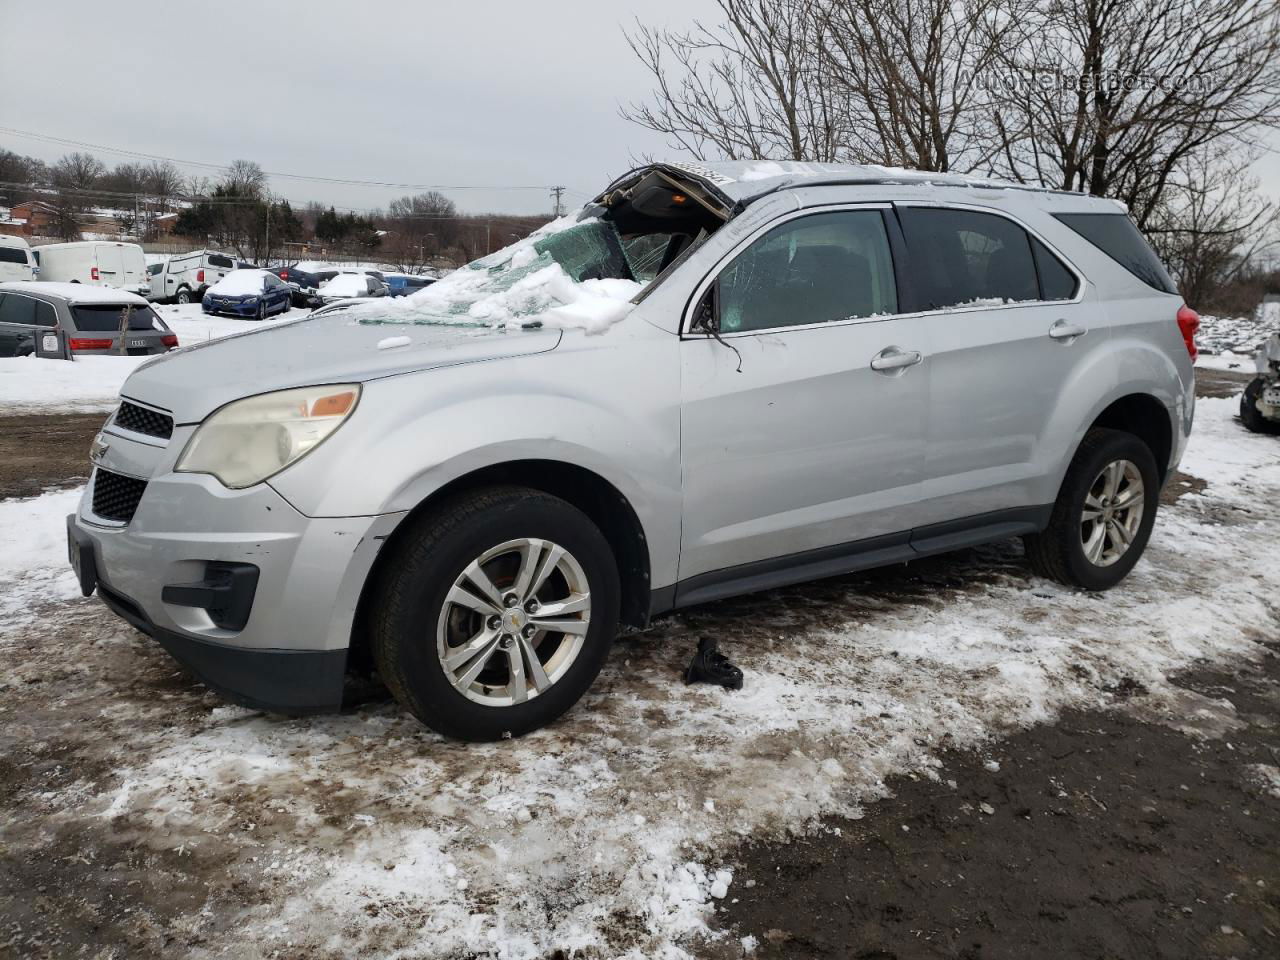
(565, 275)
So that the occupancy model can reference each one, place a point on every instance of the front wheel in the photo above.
(494, 613)
(1250, 415)
(184, 296)
(1103, 516)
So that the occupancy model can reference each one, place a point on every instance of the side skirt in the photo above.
(845, 558)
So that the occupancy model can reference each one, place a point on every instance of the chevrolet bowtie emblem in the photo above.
(98, 449)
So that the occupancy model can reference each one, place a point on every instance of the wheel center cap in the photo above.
(513, 620)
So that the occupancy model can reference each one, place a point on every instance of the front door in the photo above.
(802, 427)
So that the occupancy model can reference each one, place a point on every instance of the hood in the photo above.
(193, 381)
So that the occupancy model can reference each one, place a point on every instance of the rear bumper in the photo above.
(294, 682)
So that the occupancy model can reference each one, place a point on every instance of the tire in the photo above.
(1061, 551)
(1250, 415)
(261, 313)
(416, 620)
(184, 296)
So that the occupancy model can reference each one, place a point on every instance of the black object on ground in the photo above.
(709, 665)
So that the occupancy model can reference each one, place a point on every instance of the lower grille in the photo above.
(116, 497)
(130, 416)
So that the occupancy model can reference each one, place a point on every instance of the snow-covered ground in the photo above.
(91, 383)
(1235, 338)
(610, 835)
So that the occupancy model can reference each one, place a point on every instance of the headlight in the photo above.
(249, 440)
(251, 301)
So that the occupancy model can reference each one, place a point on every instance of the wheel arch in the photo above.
(1148, 419)
(600, 500)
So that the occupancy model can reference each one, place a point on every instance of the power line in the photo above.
(558, 193)
(138, 155)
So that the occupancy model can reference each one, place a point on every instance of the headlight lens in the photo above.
(249, 440)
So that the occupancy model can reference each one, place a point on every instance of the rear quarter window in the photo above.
(1117, 236)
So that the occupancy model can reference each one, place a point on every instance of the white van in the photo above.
(101, 263)
(15, 259)
(186, 276)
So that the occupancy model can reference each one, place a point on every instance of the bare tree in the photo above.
(1113, 97)
(1212, 224)
(163, 181)
(245, 178)
(422, 226)
(749, 87)
(78, 171)
(913, 71)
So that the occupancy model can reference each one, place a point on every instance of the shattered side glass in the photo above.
(528, 279)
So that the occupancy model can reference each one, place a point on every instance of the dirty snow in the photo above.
(1238, 336)
(607, 835)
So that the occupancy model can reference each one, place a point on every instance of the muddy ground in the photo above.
(1116, 834)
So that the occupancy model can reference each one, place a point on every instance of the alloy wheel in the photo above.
(513, 622)
(1112, 514)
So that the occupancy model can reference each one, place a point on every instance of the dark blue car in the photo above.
(255, 294)
(403, 284)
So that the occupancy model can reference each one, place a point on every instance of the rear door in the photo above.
(110, 261)
(1008, 324)
(17, 324)
(802, 427)
(133, 266)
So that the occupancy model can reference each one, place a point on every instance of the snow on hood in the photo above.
(565, 275)
(241, 283)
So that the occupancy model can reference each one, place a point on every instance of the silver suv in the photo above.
(710, 380)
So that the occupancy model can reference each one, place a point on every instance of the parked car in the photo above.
(404, 284)
(304, 279)
(15, 259)
(99, 263)
(348, 286)
(59, 319)
(835, 367)
(248, 293)
(186, 277)
(1260, 402)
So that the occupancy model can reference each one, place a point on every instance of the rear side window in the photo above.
(964, 258)
(46, 315)
(1117, 236)
(217, 260)
(1056, 281)
(13, 255)
(815, 269)
(101, 318)
(15, 308)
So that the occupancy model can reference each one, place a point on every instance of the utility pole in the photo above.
(557, 192)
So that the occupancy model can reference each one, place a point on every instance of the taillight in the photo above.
(199, 276)
(1189, 323)
(169, 339)
(93, 274)
(82, 343)
(284, 274)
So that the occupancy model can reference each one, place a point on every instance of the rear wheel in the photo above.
(495, 612)
(1103, 516)
(1250, 415)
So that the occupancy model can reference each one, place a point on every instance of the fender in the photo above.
(614, 412)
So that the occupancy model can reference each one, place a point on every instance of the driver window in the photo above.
(815, 269)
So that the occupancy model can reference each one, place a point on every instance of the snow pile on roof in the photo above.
(313, 266)
(240, 283)
(346, 285)
(529, 282)
(31, 384)
(75, 292)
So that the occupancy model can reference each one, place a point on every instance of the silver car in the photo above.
(713, 379)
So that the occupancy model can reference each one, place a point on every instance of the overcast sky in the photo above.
(477, 93)
(480, 93)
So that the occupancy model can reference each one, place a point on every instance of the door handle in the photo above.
(1062, 330)
(893, 359)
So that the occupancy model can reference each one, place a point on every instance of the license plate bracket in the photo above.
(81, 555)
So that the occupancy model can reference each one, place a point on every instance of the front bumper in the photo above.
(288, 651)
(232, 309)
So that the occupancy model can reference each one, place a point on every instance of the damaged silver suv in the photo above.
(710, 380)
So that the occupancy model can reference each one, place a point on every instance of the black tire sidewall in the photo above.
(1116, 446)
(424, 580)
(1250, 416)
